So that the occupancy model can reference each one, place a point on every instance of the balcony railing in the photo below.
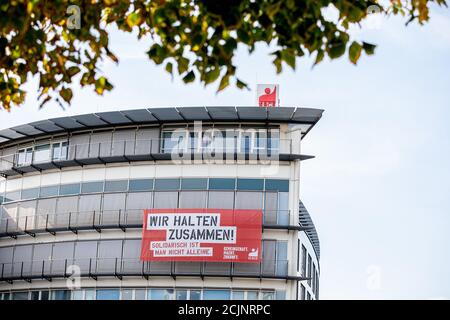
(107, 219)
(119, 267)
(140, 150)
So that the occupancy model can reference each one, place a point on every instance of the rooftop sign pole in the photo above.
(268, 95)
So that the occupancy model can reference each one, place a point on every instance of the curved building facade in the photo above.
(74, 190)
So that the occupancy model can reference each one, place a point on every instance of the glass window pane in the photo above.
(108, 294)
(221, 184)
(216, 294)
(238, 295)
(49, 191)
(89, 294)
(221, 199)
(161, 294)
(252, 295)
(165, 200)
(45, 295)
(66, 189)
(30, 193)
(277, 185)
(12, 196)
(116, 185)
(77, 295)
(41, 153)
(249, 200)
(194, 184)
(34, 295)
(195, 294)
(182, 294)
(141, 185)
(61, 295)
(91, 187)
(20, 296)
(268, 295)
(250, 184)
(139, 294)
(167, 184)
(127, 294)
(193, 199)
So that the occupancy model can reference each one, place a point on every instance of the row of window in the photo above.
(148, 185)
(145, 294)
(127, 208)
(132, 142)
(99, 256)
(308, 269)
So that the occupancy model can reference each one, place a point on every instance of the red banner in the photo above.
(220, 235)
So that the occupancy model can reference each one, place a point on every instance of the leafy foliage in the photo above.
(192, 38)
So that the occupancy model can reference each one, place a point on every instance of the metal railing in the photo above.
(119, 267)
(103, 219)
(135, 149)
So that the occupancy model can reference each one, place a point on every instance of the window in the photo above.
(108, 294)
(127, 294)
(160, 294)
(193, 199)
(20, 296)
(172, 140)
(268, 295)
(195, 294)
(313, 286)
(59, 151)
(12, 196)
(77, 295)
(92, 187)
(238, 295)
(250, 184)
(216, 294)
(30, 193)
(42, 153)
(221, 184)
(277, 185)
(116, 185)
(252, 295)
(61, 295)
(141, 185)
(182, 294)
(24, 156)
(89, 294)
(167, 184)
(49, 191)
(309, 269)
(303, 261)
(139, 294)
(68, 189)
(194, 184)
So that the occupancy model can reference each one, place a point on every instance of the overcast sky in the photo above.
(379, 187)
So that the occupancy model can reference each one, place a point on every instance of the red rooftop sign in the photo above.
(267, 95)
(219, 235)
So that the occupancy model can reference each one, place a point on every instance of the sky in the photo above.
(378, 189)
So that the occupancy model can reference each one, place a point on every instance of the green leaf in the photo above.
(190, 77)
(319, 57)
(212, 75)
(73, 71)
(134, 19)
(183, 65)
(369, 48)
(102, 84)
(225, 82)
(241, 85)
(169, 67)
(354, 52)
(66, 94)
(336, 50)
(288, 56)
